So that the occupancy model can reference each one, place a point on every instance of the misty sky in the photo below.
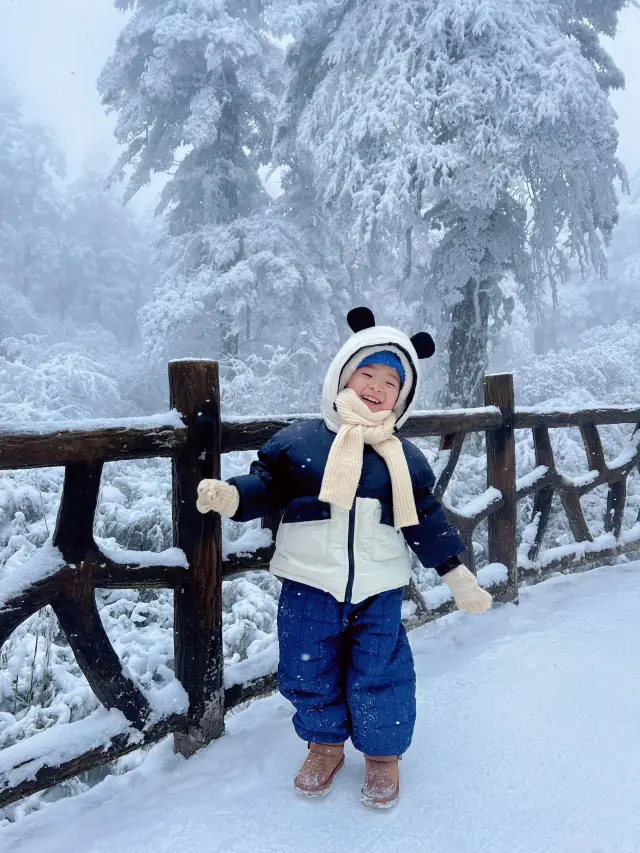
(54, 50)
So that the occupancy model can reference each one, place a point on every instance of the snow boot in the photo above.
(321, 766)
(381, 783)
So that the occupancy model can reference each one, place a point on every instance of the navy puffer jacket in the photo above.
(350, 554)
(357, 553)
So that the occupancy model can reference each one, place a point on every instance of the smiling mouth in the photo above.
(370, 399)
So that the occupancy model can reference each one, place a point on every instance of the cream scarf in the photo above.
(360, 426)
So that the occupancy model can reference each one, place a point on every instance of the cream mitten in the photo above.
(218, 496)
(467, 592)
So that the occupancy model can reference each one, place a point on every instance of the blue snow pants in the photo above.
(347, 669)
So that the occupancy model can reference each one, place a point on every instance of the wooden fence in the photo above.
(195, 447)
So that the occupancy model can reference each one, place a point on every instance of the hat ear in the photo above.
(423, 344)
(360, 318)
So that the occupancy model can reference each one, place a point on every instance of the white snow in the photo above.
(492, 575)
(480, 503)
(46, 561)
(581, 479)
(440, 462)
(409, 609)
(530, 479)
(170, 419)
(249, 541)
(248, 419)
(57, 744)
(576, 549)
(527, 742)
(629, 451)
(258, 665)
(170, 699)
(61, 743)
(549, 407)
(437, 596)
(170, 557)
(481, 410)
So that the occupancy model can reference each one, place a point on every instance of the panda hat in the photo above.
(367, 340)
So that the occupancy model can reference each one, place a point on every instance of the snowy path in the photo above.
(528, 742)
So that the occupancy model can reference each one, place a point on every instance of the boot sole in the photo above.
(322, 792)
(371, 803)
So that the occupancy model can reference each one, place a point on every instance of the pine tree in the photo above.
(107, 260)
(195, 85)
(486, 121)
(585, 21)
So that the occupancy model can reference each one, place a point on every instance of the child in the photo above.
(353, 495)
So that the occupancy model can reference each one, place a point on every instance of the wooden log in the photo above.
(412, 593)
(577, 522)
(110, 574)
(65, 446)
(430, 615)
(547, 481)
(78, 616)
(120, 745)
(501, 475)
(611, 475)
(543, 449)
(259, 687)
(528, 418)
(542, 508)
(195, 393)
(468, 556)
(423, 424)
(572, 563)
(251, 435)
(73, 535)
(250, 562)
(593, 448)
(451, 443)
(17, 609)
(74, 603)
(616, 500)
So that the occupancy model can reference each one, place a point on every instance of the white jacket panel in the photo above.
(317, 553)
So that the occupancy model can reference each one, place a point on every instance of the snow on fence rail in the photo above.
(68, 569)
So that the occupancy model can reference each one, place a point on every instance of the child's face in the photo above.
(376, 384)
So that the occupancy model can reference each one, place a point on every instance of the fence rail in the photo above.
(67, 574)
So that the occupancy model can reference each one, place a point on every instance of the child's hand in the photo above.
(217, 496)
(467, 592)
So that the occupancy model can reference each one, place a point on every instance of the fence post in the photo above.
(501, 474)
(195, 392)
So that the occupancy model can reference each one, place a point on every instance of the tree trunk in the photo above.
(408, 260)
(468, 345)
(229, 339)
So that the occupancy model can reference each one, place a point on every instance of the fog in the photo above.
(55, 51)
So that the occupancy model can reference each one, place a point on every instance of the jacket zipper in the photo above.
(350, 538)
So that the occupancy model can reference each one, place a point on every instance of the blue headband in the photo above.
(388, 358)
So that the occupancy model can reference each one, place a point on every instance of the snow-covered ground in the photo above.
(528, 741)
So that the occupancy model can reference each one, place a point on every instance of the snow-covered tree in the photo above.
(487, 121)
(107, 266)
(192, 82)
(195, 85)
(586, 21)
(588, 299)
(31, 207)
(260, 271)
